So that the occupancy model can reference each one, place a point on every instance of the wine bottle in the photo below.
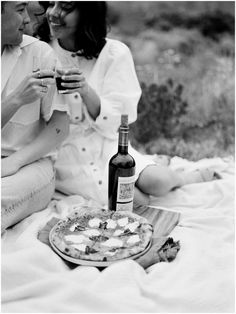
(121, 178)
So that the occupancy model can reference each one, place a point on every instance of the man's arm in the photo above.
(51, 137)
(9, 108)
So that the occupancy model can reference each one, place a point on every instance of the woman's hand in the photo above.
(74, 81)
(9, 166)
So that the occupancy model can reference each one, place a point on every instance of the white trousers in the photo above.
(27, 191)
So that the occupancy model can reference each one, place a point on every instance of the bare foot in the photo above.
(163, 160)
(200, 175)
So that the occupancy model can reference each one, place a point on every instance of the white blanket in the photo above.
(200, 279)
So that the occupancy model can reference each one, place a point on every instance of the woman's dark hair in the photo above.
(92, 27)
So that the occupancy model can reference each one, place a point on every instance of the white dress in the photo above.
(82, 164)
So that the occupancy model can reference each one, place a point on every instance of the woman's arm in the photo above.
(91, 100)
(51, 136)
(74, 80)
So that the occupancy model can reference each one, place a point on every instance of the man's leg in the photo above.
(27, 191)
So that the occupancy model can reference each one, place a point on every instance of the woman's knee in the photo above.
(156, 180)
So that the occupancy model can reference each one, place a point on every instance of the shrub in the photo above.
(210, 24)
(165, 127)
(213, 25)
(160, 111)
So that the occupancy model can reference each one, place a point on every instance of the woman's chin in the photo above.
(56, 33)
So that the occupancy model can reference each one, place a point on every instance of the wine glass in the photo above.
(43, 65)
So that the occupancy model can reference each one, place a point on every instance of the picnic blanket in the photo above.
(200, 279)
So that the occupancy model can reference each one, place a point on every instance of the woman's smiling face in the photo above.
(63, 19)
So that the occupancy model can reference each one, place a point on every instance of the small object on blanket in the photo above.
(162, 249)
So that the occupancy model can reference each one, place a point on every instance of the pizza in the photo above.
(100, 235)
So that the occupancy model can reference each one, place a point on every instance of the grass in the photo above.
(201, 63)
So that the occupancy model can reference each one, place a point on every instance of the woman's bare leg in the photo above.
(158, 180)
(140, 198)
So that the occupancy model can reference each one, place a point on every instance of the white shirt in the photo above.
(27, 122)
(82, 164)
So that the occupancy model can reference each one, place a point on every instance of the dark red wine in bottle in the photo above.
(121, 178)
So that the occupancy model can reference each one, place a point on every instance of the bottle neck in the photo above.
(123, 140)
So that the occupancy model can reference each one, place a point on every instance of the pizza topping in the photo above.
(79, 228)
(133, 239)
(117, 233)
(123, 221)
(80, 247)
(76, 227)
(100, 238)
(90, 250)
(92, 232)
(72, 228)
(111, 224)
(95, 222)
(103, 225)
(132, 226)
(80, 238)
(110, 253)
(112, 242)
(127, 232)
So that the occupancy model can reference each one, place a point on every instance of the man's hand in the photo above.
(32, 88)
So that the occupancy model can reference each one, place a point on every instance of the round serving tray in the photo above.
(92, 263)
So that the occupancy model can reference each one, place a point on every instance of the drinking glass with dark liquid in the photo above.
(44, 65)
(60, 88)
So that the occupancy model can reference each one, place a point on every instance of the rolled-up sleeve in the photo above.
(119, 91)
(53, 101)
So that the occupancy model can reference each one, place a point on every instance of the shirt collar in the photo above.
(27, 40)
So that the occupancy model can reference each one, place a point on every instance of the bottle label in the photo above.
(125, 193)
(124, 206)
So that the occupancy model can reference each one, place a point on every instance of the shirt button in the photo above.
(73, 55)
(104, 118)
(83, 149)
(76, 118)
(76, 96)
(91, 163)
(100, 182)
